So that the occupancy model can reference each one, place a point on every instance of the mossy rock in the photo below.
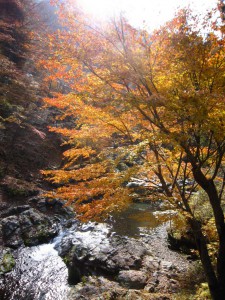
(17, 192)
(39, 235)
(7, 263)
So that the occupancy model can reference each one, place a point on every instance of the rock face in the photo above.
(27, 149)
(26, 226)
(93, 252)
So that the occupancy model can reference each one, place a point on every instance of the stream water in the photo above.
(137, 218)
(40, 274)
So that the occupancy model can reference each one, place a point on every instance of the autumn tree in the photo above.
(153, 99)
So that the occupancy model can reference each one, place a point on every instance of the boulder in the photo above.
(10, 225)
(133, 279)
(11, 232)
(92, 250)
(29, 227)
(7, 261)
(15, 210)
(54, 206)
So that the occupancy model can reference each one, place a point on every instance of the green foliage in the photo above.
(202, 292)
(201, 206)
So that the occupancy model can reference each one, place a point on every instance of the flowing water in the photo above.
(40, 274)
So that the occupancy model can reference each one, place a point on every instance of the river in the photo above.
(41, 274)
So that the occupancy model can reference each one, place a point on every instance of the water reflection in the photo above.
(131, 221)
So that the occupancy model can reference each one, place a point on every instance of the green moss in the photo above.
(84, 280)
(6, 106)
(17, 192)
(66, 259)
(40, 234)
(7, 263)
(27, 242)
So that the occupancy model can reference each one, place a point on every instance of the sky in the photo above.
(150, 13)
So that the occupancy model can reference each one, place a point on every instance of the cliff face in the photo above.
(26, 146)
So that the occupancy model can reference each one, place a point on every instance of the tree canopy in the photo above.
(152, 100)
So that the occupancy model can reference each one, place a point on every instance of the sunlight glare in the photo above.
(99, 8)
(152, 13)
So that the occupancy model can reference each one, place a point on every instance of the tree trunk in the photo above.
(205, 259)
(219, 220)
(217, 290)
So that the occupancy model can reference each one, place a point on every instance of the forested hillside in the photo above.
(25, 141)
(100, 116)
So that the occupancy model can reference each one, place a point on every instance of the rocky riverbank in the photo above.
(101, 264)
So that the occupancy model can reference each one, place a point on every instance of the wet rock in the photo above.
(133, 279)
(11, 232)
(41, 228)
(102, 265)
(29, 228)
(10, 225)
(15, 210)
(41, 205)
(33, 200)
(65, 247)
(35, 217)
(25, 222)
(54, 206)
(91, 250)
(124, 253)
(95, 251)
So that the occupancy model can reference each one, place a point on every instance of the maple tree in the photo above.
(154, 101)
